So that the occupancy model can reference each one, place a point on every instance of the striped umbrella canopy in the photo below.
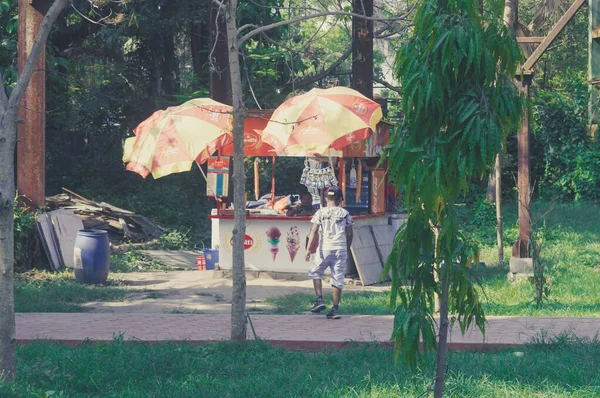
(321, 120)
(170, 140)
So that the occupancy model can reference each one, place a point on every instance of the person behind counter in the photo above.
(306, 206)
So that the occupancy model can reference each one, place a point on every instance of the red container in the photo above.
(201, 263)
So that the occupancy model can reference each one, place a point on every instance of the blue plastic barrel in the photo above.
(212, 257)
(92, 256)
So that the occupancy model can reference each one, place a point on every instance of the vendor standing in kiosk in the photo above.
(334, 224)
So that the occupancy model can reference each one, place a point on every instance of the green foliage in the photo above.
(133, 261)
(569, 161)
(8, 42)
(175, 240)
(26, 240)
(458, 107)
(484, 215)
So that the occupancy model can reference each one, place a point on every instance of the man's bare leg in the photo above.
(337, 295)
(318, 284)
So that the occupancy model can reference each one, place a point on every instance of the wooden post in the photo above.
(31, 144)
(520, 249)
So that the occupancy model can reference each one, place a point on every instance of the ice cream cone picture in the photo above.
(273, 235)
(293, 242)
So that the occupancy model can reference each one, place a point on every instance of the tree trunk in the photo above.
(362, 48)
(155, 89)
(490, 195)
(440, 374)
(200, 48)
(8, 132)
(9, 111)
(168, 65)
(511, 17)
(498, 170)
(220, 74)
(238, 300)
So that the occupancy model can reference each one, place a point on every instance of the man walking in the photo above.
(334, 224)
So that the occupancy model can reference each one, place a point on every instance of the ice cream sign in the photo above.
(273, 235)
(248, 242)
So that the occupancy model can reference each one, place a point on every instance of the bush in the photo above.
(26, 241)
(570, 158)
(565, 160)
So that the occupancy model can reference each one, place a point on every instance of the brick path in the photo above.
(292, 331)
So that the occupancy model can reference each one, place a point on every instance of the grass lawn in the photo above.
(571, 250)
(39, 291)
(227, 370)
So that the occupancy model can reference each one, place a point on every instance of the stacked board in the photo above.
(370, 249)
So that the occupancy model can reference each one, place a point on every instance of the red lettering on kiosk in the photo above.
(248, 242)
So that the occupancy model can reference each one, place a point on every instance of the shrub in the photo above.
(26, 240)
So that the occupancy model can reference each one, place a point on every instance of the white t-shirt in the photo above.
(332, 222)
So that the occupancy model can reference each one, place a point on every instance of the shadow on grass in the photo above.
(38, 291)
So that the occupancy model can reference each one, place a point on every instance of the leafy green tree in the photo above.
(458, 108)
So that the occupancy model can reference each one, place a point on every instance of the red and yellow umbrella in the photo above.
(320, 120)
(170, 140)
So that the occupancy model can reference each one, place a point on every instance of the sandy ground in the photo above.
(199, 292)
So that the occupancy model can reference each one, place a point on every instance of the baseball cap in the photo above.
(334, 192)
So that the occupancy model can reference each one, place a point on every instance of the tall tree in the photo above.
(511, 20)
(9, 112)
(458, 107)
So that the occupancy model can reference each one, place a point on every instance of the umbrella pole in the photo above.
(343, 178)
(217, 200)
(256, 179)
(273, 181)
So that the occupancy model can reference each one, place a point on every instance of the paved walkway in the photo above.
(292, 331)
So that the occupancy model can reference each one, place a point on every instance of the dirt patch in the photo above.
(200, 292)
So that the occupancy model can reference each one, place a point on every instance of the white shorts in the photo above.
(336, 259)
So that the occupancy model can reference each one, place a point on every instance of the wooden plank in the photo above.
(530, 39)
(94, 223)
(115, 209)
(383, 236)
(174, 258)
(46, 231)
(81, 198)
(148, 226)
(66, 225)
(365, 255)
